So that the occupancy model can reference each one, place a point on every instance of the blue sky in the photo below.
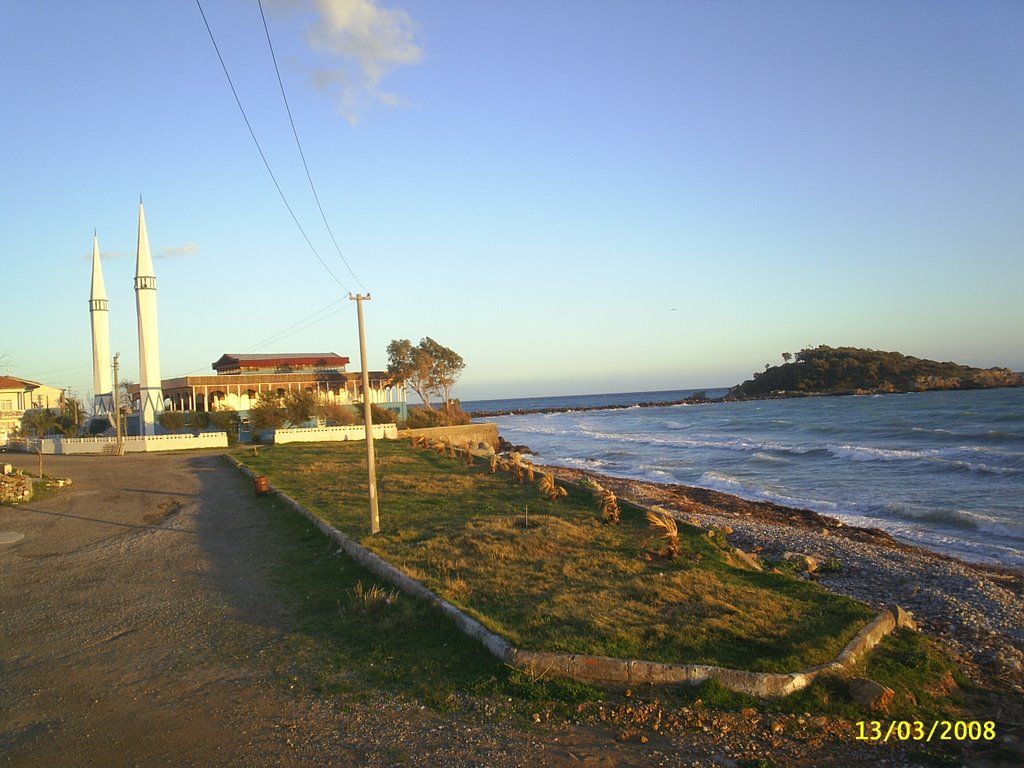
(575, 196)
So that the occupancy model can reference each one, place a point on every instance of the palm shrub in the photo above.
(606, 500)
(666, 525)
(550, 488)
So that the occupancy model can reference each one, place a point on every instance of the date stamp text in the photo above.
(919, 730)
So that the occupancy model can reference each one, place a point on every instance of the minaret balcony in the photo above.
(97, 305)
(145, 282)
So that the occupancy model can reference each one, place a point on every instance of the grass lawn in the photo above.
(551, 575)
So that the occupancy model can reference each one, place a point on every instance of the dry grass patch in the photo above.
(549, 574)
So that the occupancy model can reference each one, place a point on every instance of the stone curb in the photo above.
(603, 669)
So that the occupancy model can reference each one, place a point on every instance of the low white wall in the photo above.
(334, 434)
(86, 445)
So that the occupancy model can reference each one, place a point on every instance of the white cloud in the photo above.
(360, 43)
(171, 252)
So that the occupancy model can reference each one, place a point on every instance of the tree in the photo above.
(172, 421)
(266, 413)
(39, 421)
(199, 420)
(229, 421)
(411, 365)
(787, 356)
(299, 406)
(336, 414)
(428, 368)
(446, 367)
(72, 414)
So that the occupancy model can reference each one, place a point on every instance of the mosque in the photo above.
(238, 380)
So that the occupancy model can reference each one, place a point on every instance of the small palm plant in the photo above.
(518, 468)
(609, 506)
(666, 524)
(606, 500)
(550, 488)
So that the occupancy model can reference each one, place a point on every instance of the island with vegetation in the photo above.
(824, 370)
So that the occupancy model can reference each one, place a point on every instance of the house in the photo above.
(20, 395)
(240, 378)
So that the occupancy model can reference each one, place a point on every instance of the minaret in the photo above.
(151, 399)
(103, 394)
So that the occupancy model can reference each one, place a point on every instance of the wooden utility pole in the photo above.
(117, 406)
(371, 463)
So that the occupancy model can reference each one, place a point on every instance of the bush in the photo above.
(337, 415)
(229, 422)
(199, 420)
(172, 421)
(420, 418)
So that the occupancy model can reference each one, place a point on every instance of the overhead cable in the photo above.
(266, 163)
(302, 154)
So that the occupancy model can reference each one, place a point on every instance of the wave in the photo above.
(768, 458)
(960, 519)
(962, 458)
(719, 481)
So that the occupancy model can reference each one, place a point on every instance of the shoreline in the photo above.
(977, 609)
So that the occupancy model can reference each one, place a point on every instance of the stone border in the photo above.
(603, 669)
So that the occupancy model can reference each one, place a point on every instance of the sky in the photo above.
(577, 196)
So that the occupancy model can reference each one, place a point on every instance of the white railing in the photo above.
(82, 445)
(333, 434)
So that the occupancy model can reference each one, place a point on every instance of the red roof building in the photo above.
(240, 379)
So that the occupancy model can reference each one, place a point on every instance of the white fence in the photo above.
(334, 434)
(150, 443)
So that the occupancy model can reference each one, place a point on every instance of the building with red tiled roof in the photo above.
(20, 395)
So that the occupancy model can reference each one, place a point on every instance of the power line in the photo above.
(289, 332)
(306, 322)
(302, 154)
(252, 133)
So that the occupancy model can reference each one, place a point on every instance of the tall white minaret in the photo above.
(151, 399)
(103, 394)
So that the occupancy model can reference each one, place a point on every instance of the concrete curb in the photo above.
(603, 669)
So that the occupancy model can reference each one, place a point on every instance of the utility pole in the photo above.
(117, 407)
(371, 463)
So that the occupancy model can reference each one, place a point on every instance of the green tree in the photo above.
(299, 406)
(266, 413)
(229, 421)
(428, 368)
(72, 414)
(39, 422)
(411, 365)
(172, 421)
(337, 414)
(199, 420)
(446, 367)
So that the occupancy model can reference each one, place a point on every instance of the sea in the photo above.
(942, 470)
